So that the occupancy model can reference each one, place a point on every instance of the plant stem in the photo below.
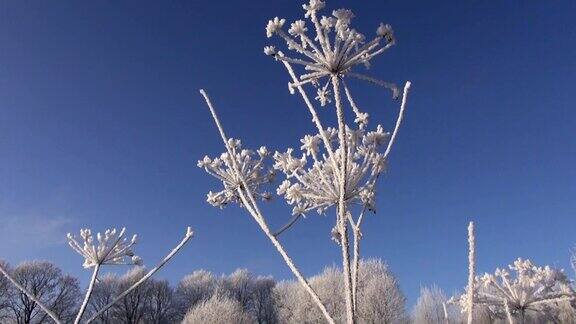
(471, 270)
(342, 220)
(88, 294)
(355, 266)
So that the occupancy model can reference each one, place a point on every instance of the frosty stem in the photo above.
(30, 295)
(88, 294)
(471, 270)
(356, 226)
(249, 202)
(167, 258)
(508, 313)
(357, 235)
(342, 221)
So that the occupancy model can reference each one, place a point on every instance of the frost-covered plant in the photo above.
(334, 49)
(245, 193)
(312, 181)
(531, 288)
(110, 248)
(252, 171)
(328, 59)
(344, 161)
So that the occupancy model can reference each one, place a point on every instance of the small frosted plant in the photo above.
(312, 182)
(252, 171)
(529, 289)
(338, 166)
(109, 248)
(112, 248)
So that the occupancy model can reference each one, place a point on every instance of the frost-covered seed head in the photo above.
(111, 248)
(335, 49)
(311, 180)
(251, 166)
(531, 287)
(274, 25)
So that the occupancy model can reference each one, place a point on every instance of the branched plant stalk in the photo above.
(337, 177)
(251, 205)
(357, 235)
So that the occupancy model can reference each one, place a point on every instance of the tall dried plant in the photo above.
(339, 166)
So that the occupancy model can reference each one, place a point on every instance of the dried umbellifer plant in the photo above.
(338, 166)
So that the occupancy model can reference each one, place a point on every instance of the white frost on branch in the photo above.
(312, 182)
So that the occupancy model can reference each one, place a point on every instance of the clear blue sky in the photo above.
(101, 124)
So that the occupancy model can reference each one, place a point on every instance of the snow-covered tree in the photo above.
(218, 309)
(109, 248)
(379, 296)
(339, 166)
(239, 286)
(528, 292)
(193, 289)
(380, 299)
(431, 307)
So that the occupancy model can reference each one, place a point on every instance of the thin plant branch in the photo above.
(88, 294)
(292, 221)
(249, 202)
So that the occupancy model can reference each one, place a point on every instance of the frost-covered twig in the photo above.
(88, 294)
(30, 295)
(471, 270)
(237, 182)
(187, 237)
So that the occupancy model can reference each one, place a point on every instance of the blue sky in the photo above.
(101, 124)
